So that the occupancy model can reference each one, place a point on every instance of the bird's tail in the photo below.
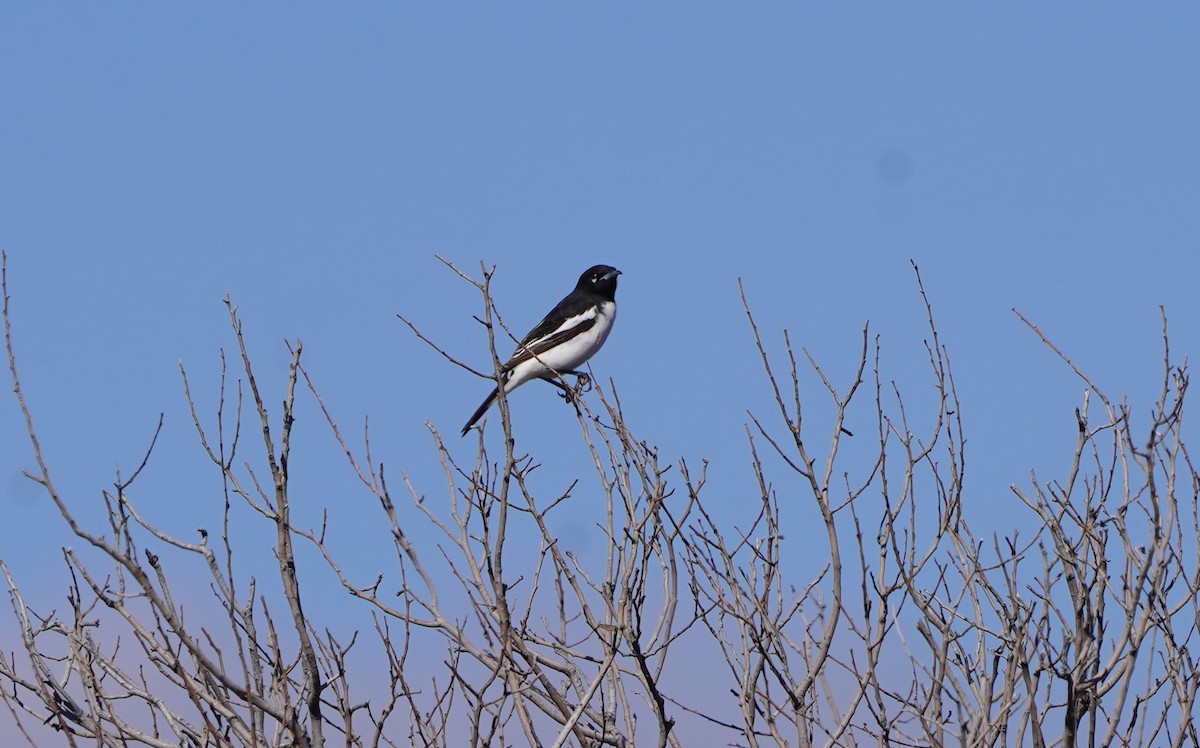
(487, 403)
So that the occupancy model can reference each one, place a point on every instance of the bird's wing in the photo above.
(549, 334)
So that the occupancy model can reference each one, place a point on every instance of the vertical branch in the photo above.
(283, 531)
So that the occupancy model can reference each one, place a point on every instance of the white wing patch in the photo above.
(569, 323)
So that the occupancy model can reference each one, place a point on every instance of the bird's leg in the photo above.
(566, 393)
(583, 383)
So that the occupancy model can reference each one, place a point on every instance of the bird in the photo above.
(565, 338)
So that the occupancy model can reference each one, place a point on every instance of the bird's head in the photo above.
(599, 279)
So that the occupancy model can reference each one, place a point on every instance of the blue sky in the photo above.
(313, 159)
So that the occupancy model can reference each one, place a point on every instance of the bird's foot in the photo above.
(583, 383)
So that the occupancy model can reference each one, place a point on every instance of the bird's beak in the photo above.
(611, 274)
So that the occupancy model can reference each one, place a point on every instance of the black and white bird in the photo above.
(568, 336)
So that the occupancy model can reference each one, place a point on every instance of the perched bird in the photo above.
(568, 336)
